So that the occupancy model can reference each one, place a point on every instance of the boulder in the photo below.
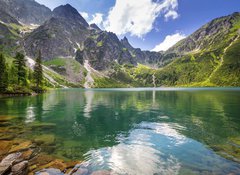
(20, 168)
(10, 159)
(7, 162)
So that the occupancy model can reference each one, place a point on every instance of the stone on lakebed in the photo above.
(101, 172)
(5, 146)
(50, 171)
(46, 139)
(42, 125)
(21, 147)
(6, 118)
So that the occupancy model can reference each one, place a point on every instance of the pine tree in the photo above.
(20, 64)
(38, 71)
(12, 75)
(3, 74)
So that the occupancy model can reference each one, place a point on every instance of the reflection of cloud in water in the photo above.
(89, 95)
(137, 154)
(30, 115)
(167, 130)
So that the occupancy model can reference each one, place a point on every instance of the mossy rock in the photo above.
(26, 155)
(235, 141)
(41, 159)
(58, 164)
(5, 146)
(46, 139)
(43, 125)
(228, 151)
(6, 118)
(21, 147)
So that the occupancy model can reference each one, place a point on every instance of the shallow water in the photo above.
(136, 131)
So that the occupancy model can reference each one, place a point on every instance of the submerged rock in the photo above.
(43, 125)
(5, 146)
(41, 159)
(46, 139)
(79, 171)
(22, 146)
(26, 155)
(58, 164)
(6, 118)
(50, 171)
(72, 164)
(101, 172)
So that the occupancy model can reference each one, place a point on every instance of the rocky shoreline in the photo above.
(24, 158)
(21, 157)
(28, 156)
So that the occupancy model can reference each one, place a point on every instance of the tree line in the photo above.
(15, 77)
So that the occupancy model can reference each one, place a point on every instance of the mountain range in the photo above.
(78, 54)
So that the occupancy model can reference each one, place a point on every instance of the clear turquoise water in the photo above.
(136, 131)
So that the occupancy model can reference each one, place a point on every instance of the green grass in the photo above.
(55, 62)
(100, 44)
(108, 83)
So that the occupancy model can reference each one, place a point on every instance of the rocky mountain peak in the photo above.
(26, 11)
(126, 43)
(94, 26)
(69, 13)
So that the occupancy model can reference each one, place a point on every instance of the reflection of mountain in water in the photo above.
(115, 122)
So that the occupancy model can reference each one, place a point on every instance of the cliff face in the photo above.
(60, 36)
(67, 31)
(26, 11)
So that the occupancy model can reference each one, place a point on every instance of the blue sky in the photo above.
(150, 24)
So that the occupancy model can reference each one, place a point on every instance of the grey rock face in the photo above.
(7, 38)
(95, 27)
(105, 48)
(7, 18)
(69, 13)
(26, 11)
(60, 36)
(144, 57)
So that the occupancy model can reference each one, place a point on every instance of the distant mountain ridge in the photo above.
(67, 31)
(82, 52)
(207, 37)
(26, 11)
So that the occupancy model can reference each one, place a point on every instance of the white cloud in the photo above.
(85, 15)
(137, 17)
(168, 42)
(97, 19)
(171, 14)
